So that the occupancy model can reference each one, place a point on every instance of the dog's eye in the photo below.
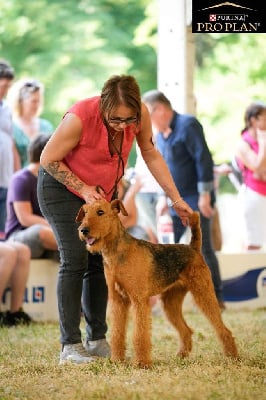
(100, 212)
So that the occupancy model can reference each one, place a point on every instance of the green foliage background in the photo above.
(73, 46)
(230, 73)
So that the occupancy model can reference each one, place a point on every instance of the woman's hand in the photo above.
(261, 134)
(183, 210)
(92, 193)
(205, 206)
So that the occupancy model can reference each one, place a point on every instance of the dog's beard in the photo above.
(89, 240)
(93, 245)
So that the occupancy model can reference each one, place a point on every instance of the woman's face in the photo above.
(120, 117)
(261, 121)
(4, 86)
(30, 105)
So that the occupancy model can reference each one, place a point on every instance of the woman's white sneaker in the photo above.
(75, 353)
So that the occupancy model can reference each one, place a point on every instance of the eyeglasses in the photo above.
(119, 121)
(33, 85)
(28, 88)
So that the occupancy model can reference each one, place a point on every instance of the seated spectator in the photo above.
(9, 158)
(26, 100)
(14, 271)
(25, 222)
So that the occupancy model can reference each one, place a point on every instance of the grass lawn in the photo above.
(29, 367)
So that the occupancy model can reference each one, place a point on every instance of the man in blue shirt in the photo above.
(180, 139)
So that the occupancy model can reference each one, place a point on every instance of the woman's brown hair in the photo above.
(120, 89)
(253, 111)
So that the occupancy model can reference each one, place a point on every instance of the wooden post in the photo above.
(176, 53)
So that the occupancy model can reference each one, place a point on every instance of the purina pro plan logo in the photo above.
(239, 16)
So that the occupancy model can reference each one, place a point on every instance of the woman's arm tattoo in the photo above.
(66, 177)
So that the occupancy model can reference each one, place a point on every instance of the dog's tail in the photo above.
(196, 237)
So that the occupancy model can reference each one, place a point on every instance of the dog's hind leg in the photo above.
(204, 296)
(172, 301)
(142, 331)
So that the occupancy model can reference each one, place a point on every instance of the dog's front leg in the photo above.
(119, 309)
(142, 331)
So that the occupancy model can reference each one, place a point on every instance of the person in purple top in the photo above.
(25, 222)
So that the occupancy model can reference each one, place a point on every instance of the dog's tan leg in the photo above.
(142, 331)
(204, 295)
(119, 316)
(119, 310)
(172, 301)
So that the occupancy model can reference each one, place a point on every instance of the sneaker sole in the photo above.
(75, 362)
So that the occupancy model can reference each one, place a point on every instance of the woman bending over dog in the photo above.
(84, 161)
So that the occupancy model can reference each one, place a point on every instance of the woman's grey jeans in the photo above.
(81, 276)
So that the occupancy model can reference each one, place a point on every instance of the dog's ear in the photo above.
(119, 206)
(80, 214)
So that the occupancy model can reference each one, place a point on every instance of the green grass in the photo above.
(29, 367)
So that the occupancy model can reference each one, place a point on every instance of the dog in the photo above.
(136, 269)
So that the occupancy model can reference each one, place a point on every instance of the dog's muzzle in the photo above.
(86, 237)
(84, 231)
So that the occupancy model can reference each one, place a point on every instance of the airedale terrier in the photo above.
(136, 269)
